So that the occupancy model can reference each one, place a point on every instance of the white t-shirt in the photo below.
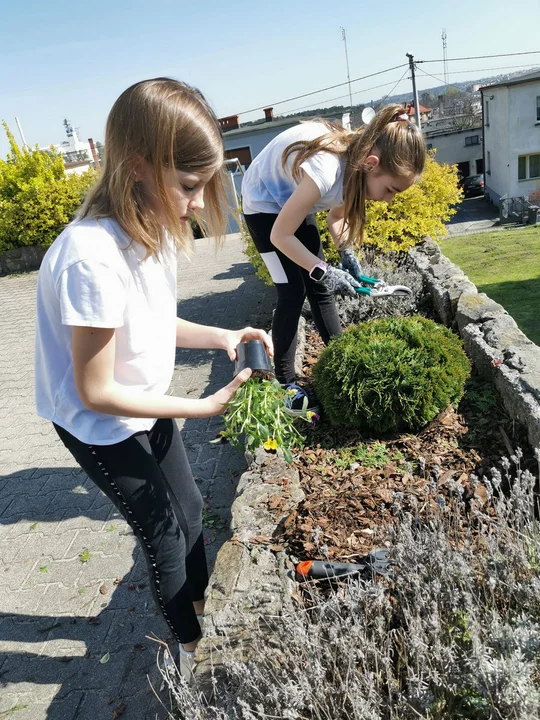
(94, 275)
(267, 186)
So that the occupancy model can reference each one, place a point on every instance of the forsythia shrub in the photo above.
(420, 211)
(37, 198)
(390, 374)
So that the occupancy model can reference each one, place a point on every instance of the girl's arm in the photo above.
(292, 214)
(93, 364)
(335, 221)
(193, 335)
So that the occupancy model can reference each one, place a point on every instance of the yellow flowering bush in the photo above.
(420, 211)
(37, 198)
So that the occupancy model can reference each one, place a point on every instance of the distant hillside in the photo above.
(427, 97)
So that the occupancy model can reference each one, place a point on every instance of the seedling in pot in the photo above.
(257, 417)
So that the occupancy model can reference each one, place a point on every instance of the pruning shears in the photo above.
(378, 288)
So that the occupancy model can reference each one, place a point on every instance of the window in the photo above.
(538, 108)
(472, 140)
(487, 112)
(488, 163)
(243, 154)
(529, 166)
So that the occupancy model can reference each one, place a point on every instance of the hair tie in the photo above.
(401, 116)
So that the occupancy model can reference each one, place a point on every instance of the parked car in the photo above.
(473, 186)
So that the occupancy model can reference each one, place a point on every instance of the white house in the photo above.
(458, 147)
(511, 120)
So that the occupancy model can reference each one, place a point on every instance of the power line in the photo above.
(315, 92)
(508, 67)
(439, 80)
(505, 67)
(389, 94)
(358, 92)
(481, 57)
(395, 86)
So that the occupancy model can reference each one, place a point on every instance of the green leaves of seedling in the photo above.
(256, 417)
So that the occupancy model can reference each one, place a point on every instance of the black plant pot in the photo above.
(253, 354)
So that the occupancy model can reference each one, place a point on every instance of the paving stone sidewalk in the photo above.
(75, 605)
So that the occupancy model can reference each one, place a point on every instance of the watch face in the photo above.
(318, 273)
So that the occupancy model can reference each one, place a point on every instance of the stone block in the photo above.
(476, 308)
(502, 332)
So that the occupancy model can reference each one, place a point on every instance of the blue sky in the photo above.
(64, 59)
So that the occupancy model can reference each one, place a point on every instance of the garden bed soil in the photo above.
(357, 487)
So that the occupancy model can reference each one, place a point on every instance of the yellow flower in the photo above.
(270, 444)
(310, 415)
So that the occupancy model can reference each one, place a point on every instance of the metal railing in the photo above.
(513, 210)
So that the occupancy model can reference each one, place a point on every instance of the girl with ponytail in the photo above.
(315, 166)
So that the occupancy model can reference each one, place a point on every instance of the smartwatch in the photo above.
(318, 271)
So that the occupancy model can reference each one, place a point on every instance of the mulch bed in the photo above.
(356, 487)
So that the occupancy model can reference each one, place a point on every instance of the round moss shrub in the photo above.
(390, 374)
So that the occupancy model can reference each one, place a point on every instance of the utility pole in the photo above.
(344, 38)
(415, 91)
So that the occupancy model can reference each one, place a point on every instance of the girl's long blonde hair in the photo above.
(167, 124)
(402, 153)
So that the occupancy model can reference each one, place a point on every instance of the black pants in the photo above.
(149, 479)
(292, 284)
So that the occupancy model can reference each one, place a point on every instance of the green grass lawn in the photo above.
(506, 266)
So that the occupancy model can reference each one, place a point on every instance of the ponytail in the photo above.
(402, 153)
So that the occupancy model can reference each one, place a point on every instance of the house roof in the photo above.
(530, 77)
(411, 111)
(245, 129)
(436, 132)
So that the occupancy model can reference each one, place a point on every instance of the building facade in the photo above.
(458, 147)
(511, 122)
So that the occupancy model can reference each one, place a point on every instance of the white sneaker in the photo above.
(186, 664)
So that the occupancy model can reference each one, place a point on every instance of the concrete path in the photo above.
(473, 215)
(75, 605)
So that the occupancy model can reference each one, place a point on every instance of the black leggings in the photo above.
(149, 479)
(292, 284)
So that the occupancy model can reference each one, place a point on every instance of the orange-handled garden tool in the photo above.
(375, 562)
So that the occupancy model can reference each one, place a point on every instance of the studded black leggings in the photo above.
(149, 480)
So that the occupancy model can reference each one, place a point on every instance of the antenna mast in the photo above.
(445, 56)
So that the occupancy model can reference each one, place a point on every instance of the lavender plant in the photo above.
(456, 634)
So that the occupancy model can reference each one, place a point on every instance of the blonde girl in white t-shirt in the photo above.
(314, 166)
(107, 332)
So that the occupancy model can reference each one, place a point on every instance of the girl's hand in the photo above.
(218, 401)
(340, 282)
(231, 338)
(350, 263)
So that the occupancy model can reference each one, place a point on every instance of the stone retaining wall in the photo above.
(21, 259)
(250, 577)
(500, 351)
